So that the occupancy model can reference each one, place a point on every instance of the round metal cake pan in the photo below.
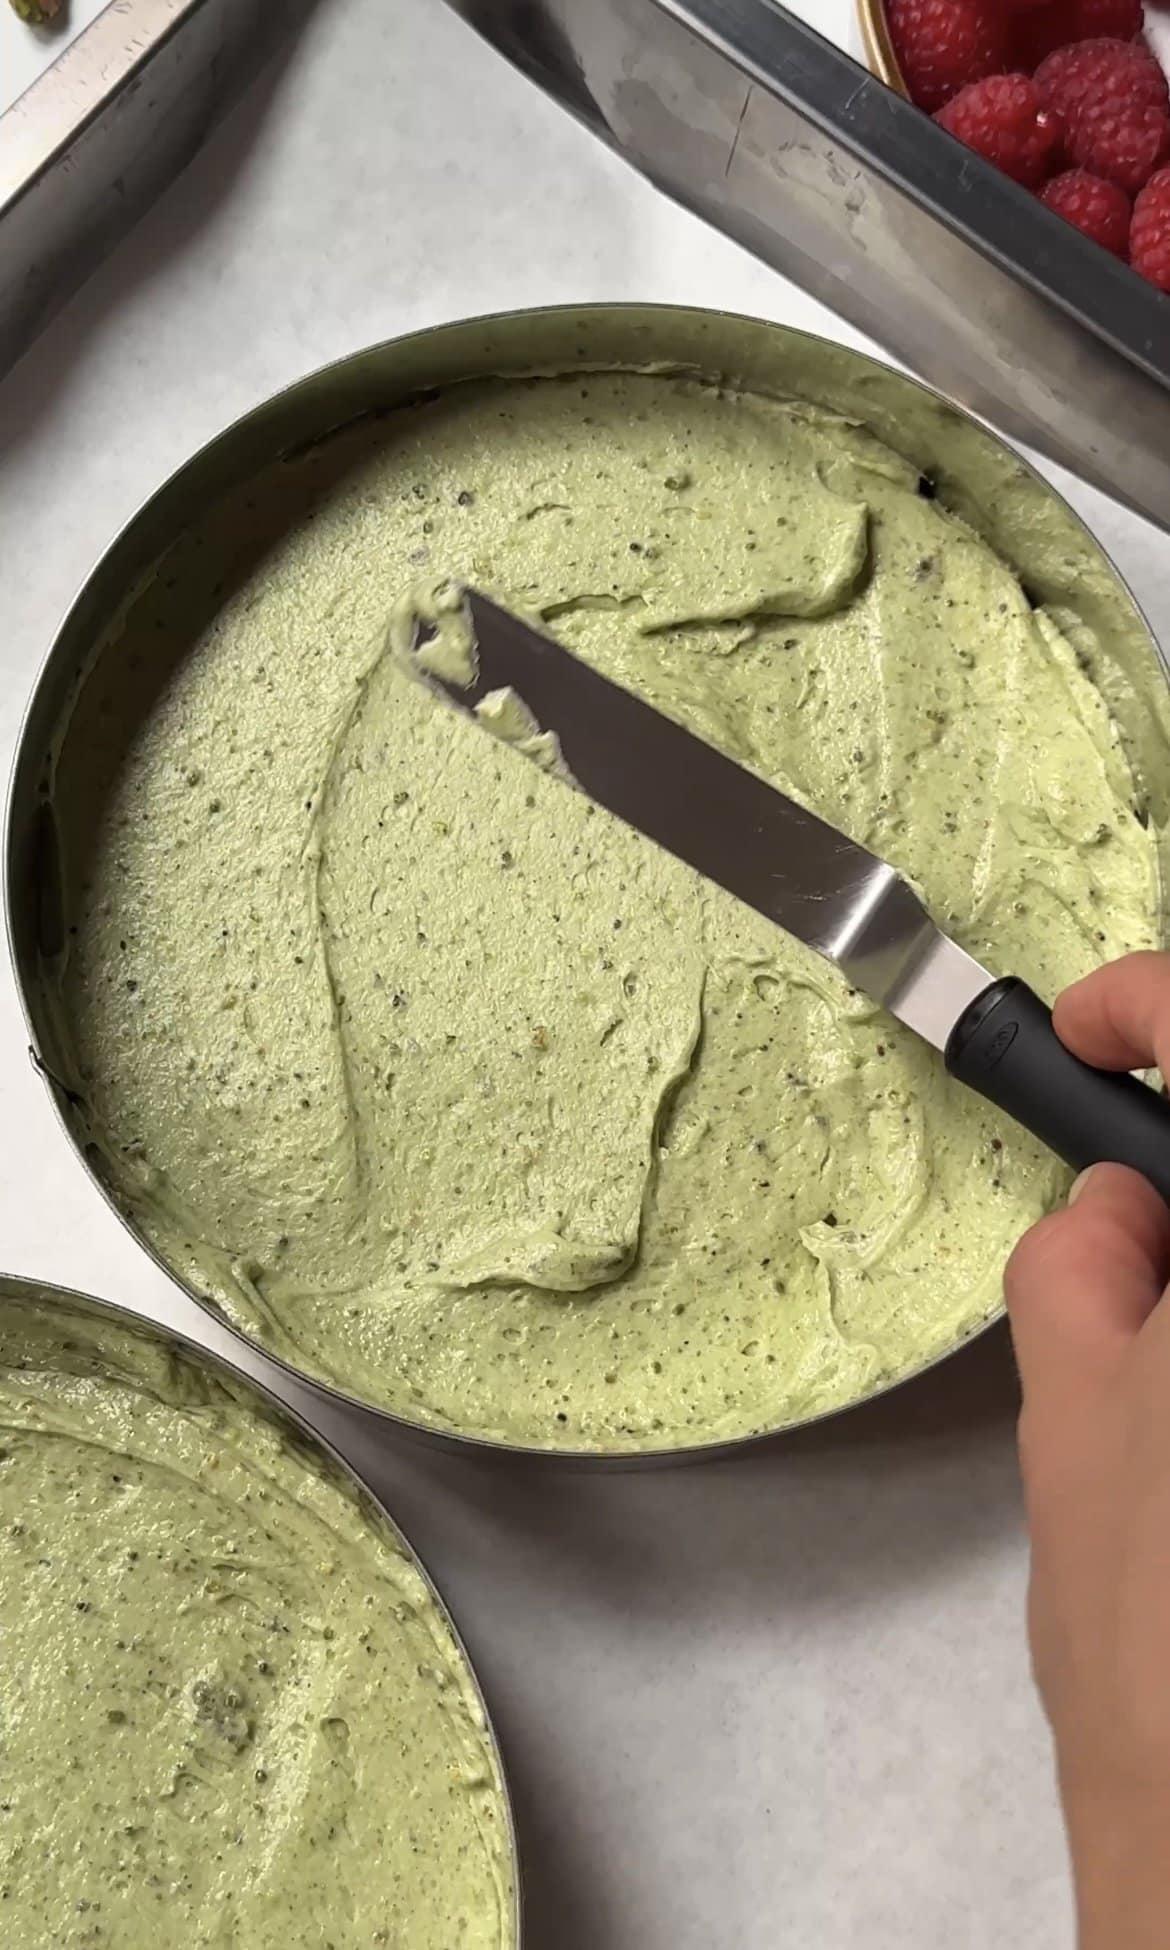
(294, 1430)
(950, 449)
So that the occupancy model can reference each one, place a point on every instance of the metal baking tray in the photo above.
(946, 446)
(734, 107)
(82, 1311)
(86, 148)
(750, 118)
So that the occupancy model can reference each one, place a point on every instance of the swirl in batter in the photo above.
(457, 1093)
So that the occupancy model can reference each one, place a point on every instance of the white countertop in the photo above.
(782, 1701)
(25, 52)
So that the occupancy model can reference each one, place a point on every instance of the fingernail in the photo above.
(1078, 1185)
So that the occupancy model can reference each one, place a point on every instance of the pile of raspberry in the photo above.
(1066, 96)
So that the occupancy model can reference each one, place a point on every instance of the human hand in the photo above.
(1092, 1333)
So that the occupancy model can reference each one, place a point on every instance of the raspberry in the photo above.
(1123, 143)
(1004, 120)
(1098, 208)
(1121, 20)
(1149, 237)
(944, 44)
(1074, 76)
(1115, 104)
(1059, 23)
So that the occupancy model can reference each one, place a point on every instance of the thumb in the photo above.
(1082, 1283)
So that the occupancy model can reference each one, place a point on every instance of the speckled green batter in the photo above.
(459, 1094)
(233, 1714)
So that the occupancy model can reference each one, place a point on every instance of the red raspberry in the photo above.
(1059, 23)
(944, 44)
(1098, 208)
(1124, 143)
(1149, 237)
(1121, 20)
(1004, 119)
(1115, 104)
(1077, 75)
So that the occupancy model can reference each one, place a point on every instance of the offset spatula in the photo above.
(852, 908)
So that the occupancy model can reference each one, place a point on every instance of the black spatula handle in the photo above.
(1004, 1046)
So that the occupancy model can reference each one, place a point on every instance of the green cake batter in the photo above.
(455, 1092)
(234, 1715)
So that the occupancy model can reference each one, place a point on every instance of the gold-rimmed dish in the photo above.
(878, 42)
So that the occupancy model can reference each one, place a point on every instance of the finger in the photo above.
(1119, 1017)
(1083, 1282)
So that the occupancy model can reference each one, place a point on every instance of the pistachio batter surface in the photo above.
(460, 1095)
(234, 1715)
